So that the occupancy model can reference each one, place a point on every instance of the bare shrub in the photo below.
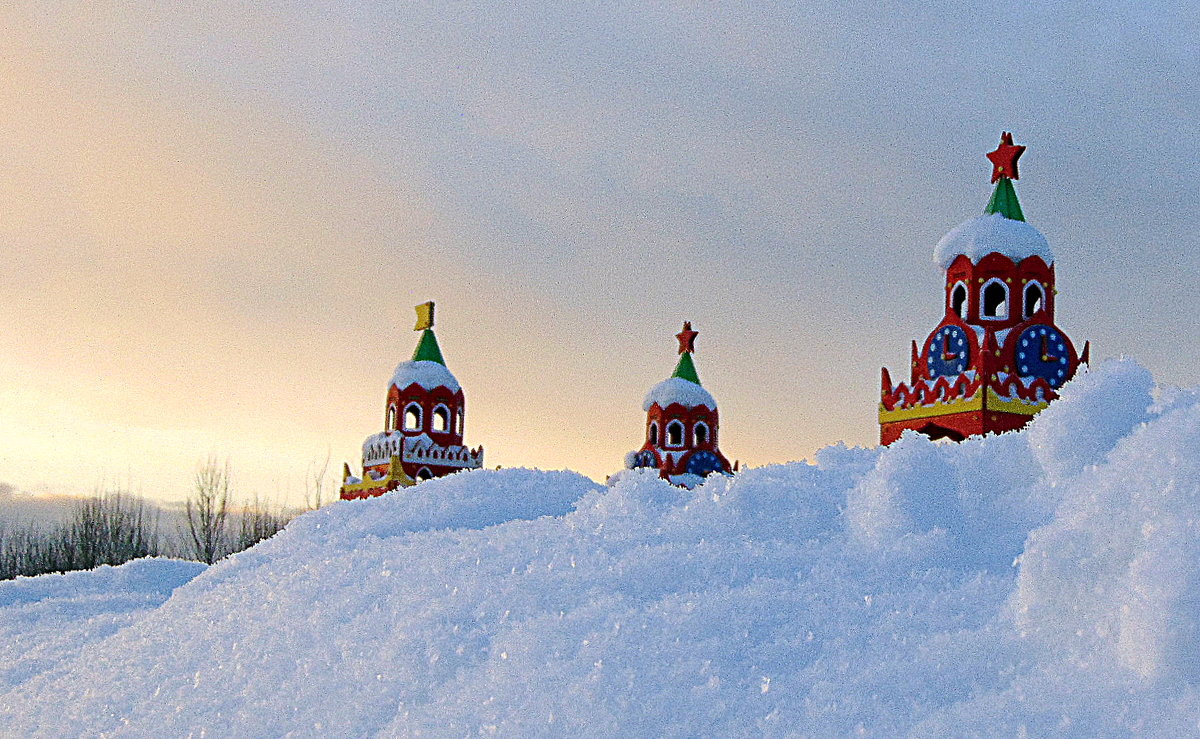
(257, 522)
(112, 528)
(314, 482)
(207, 509)
(107, 529)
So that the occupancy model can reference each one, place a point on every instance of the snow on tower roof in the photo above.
(425, 373)
(681, 391)
(992, 233)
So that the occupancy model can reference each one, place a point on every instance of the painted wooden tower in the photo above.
(424, 418)
(681, 424)
(996, 358)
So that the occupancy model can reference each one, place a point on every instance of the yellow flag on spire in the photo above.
(424, 316)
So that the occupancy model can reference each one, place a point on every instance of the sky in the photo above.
(215, 219)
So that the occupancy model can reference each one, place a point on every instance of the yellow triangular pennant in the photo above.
(424, 316)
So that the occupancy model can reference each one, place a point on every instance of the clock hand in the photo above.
(1046, 356)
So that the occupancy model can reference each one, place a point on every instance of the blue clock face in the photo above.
(1042, 352)
(644, 459)
(704, 464)
(949, 352)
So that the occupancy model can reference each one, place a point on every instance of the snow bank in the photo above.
(985, 234)
(46, 620)
(1043, 583)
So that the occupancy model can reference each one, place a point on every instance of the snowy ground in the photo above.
(1042, 583)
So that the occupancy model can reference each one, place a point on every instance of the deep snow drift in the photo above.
(1039, 583)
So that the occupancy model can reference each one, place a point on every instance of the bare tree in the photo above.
(27, 551)
(8, 567)
(257, 522)
(207, 508)
(108, 529)
(314, 482)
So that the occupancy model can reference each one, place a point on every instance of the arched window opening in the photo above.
(391, 418)
(674, 433)
(995, 300)
(1034, 299)
(653, 433)
(459, 428)
(441, 419)
(412, 417)
(424, 474)
(940, 433)
(701, 433)
(958, 300)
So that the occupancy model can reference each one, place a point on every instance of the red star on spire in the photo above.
(687, 338)
(1004, 158)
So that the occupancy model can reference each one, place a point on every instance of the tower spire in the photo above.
(1004, 171)
(427, 347)
(686, 369)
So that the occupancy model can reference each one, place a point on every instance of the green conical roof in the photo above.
(686, 369)
(1004, 201)
(427, 349)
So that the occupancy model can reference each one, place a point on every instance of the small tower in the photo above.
(681, 424)
(424, 418)
(996, 358)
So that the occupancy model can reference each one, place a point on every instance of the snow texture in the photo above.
(47, 620)
(428, 375)
(1040, 583)
(681, 391)
(989, 234)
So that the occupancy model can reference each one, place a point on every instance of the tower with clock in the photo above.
(681, 424)
(424, 419)
(997, 357)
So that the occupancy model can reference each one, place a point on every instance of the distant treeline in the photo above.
(112, 528)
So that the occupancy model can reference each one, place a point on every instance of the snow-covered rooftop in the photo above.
(428, 375)
(678, 390)
(983, 235)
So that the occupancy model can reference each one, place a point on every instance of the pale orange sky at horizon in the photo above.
(217, 221)
(164, 370)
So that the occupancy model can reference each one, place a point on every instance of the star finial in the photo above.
(687, 338)
(1004, 158)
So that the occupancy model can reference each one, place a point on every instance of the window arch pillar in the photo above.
(1033, 298)
(960, 301)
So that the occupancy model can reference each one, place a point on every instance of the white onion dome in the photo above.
(992, 234)
(426, 373)
(681, 391)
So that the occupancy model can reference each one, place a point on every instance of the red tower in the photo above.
(424, 418)
(681, 424)
(996, 358)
